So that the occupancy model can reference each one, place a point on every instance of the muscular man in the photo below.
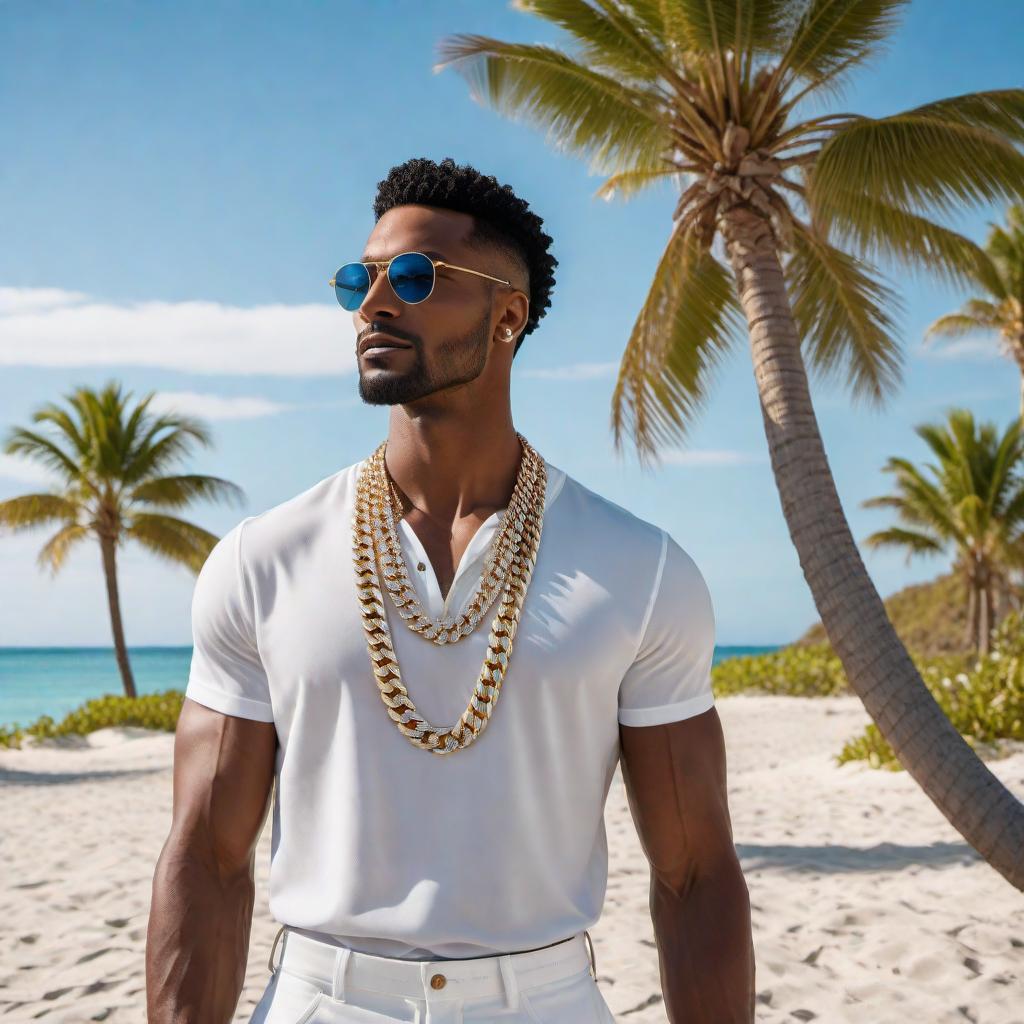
(439, 654)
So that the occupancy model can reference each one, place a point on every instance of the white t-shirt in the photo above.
(500, 846)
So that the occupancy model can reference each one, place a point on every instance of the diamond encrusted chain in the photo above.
(395, 574)
(368, 544)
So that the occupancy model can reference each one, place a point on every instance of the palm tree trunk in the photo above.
(986, 620)
(120, 650)
(972, 616)
(876, 663)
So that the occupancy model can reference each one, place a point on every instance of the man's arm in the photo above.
(200, 918)
(675, 780)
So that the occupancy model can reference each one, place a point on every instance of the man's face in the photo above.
(448, 334)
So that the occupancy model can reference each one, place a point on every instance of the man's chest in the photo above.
(575, 638)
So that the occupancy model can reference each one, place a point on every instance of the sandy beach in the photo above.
(867, 905)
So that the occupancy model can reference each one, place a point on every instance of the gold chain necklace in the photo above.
(368, 543)
(501, 554)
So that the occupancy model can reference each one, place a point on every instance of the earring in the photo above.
(508, 333)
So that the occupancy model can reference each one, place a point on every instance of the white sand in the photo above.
(868, 906)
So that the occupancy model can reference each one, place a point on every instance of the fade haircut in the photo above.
(501, 219)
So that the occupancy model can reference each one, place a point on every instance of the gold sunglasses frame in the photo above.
(435, 262)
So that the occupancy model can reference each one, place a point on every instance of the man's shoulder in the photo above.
(299, 519)
(605, 521)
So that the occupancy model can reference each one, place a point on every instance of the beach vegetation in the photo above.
(150, 711)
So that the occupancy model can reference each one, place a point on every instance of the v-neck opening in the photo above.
(433, 599)
(487, 528)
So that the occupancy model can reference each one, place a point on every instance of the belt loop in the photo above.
(341, 960)
(273, 948)
(593, 959)
(509, 980)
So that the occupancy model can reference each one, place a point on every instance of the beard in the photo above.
(454, 361)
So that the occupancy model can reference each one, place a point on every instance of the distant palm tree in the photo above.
(1001, 275)
(707, 95)
(114, 485)
(972, 501)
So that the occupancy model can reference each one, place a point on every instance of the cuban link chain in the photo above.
(367, 543)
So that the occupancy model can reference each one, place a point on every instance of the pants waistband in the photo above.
(338, 969)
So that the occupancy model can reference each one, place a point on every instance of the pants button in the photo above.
(438, 981)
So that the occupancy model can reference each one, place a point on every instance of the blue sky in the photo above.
(179, 181)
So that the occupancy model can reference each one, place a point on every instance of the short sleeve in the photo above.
(226, 672)
(670, 677)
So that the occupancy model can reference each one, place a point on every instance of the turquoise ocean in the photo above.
(52, 681)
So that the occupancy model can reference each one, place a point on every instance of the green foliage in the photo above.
(985, 704)
(810, 671)
(150, 711)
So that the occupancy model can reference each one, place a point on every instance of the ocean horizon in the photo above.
(52, 681)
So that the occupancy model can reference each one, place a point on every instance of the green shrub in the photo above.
(985, 703)
(811, 671)
(150, 711)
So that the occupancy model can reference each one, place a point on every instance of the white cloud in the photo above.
(50, 327)
(577, 371)
(971, 347)
(19, 467)
(215, 407)
(709, 457)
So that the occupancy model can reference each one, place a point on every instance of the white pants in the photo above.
(317, 983)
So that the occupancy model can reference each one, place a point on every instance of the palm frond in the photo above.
(609, 39)
(687, 323)
(627, 184)
(841, 310)
(35, 446)
(27, 511)
(715, 26)
(645, 15)
(834, 35)
(585, 112)
(54, 552)
(51, 413)
(882, 231)
(1003, 475)
(178, 491)
(954, 325)
(175, 540)
(1000, 111)
(898, 537)
(150, 456)
(916, 163)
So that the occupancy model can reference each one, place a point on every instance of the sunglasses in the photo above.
(411, 275)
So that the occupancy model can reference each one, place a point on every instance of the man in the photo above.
(442, 691)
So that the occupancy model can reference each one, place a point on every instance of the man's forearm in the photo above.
(197, 943)
(705, 949)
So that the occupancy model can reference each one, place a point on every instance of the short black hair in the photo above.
(502, 219)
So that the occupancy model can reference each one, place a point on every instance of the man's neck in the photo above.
(449, 469)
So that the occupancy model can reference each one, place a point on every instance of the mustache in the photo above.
(386, 329)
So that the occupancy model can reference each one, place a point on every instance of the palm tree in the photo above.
(706, 94)
(974, 504)
(114, 486)
(1001, 275)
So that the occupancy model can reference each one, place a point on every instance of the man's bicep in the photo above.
(675, 780)
(223, 775)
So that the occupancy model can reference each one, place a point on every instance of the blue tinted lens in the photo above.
(351, 283)
(412, 276)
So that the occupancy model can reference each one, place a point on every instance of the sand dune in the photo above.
(867, 905)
